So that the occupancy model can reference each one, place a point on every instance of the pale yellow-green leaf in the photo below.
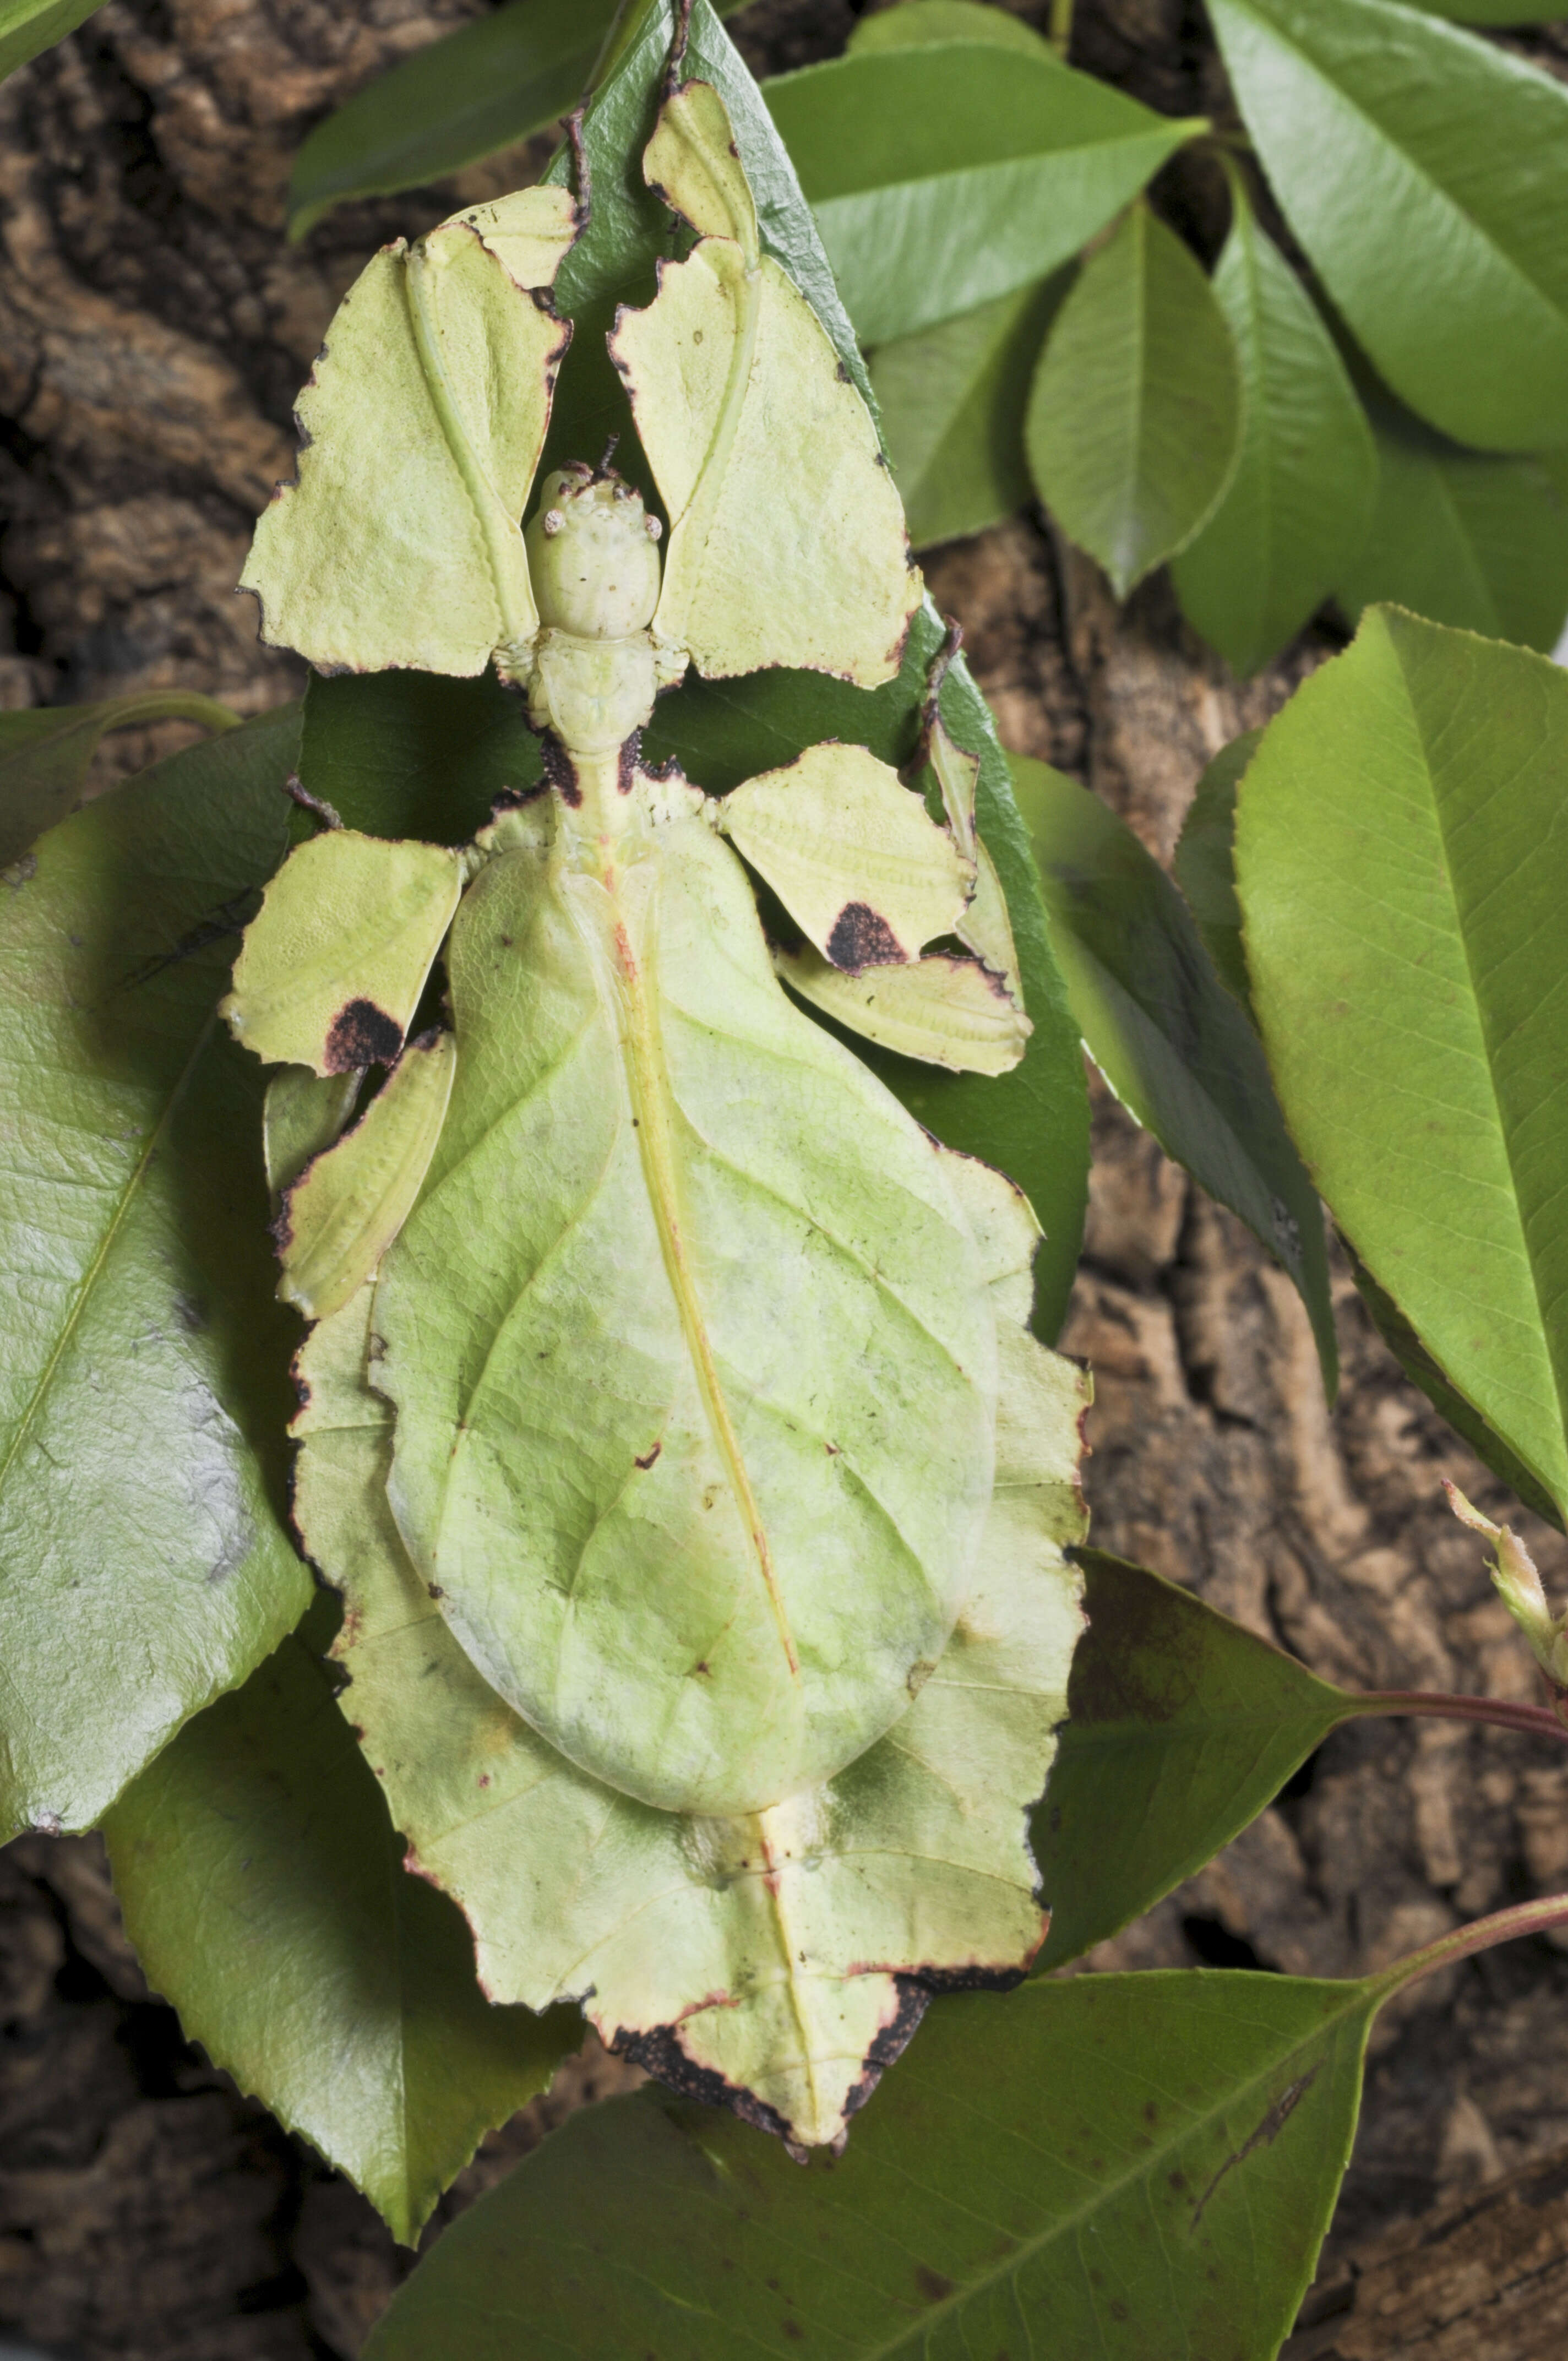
(852, 855)
(788, 544)
(400, 542)
(691, 163)
(773, 1950)
(303, 1112)
(985, 927)
(331, 970)
(340, 1218)
(698, 1542)
(946, 1011)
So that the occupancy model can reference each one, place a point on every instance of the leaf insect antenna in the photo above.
(952, 641)
(676, 65)
(604, 468)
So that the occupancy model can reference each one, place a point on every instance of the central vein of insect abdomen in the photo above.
(649, 1089)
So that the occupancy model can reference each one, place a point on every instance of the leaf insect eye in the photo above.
(553, 520)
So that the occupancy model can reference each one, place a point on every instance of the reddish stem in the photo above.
(1503, 1926)
(1534, 1720)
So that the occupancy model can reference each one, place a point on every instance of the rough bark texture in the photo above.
(153, 329)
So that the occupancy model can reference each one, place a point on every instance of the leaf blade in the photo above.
(1296, 505)
(994, 2184)
(1169, 1038)
(1408, 969)
(1134, 411)
(1454, 279)
(261, 1830)
(135, 1242)
(944, 177)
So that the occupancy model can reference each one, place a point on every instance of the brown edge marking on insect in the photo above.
(582, 171)
(659, 2053)
(361, 1034)
(559, 771)
(861, 937)
(628, 761)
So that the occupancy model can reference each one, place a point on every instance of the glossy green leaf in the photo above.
(944, 176)
(263, 1886)
(413, 753)
(1403, 868)
(28, 25)
(1440, 231)
(143, 1380)
(953, 409)
(45, 752)
(914, 22)
(1422, 1371)
(1164, 1031)
(1463, 537)
(1205, 863)
(1031, 1122)
(1181, 1727)
(1135, 412)
(1133, 2168)
(1297, 508)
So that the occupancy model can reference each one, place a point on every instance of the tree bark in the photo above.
(154, 327)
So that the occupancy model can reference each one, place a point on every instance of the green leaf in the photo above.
(1297, 505)
(1164, 1031)
(1403, 868)
(1135, 412)
(952, 406)
(1441, 229)
(1463, 537)
(45, 752)
(1133, 2168)
(914, 22)
(1031, 1122)
(944, 176)
(1181, 1727)
(143, 1374)
(28, 25)
(1422, 1371)
(413, 753)
(1205, 863)
(263, 1886)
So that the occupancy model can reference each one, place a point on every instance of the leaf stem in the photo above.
(1504, 1927)
(1504, 1713)
(1061, 27)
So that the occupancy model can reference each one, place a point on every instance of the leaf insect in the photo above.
(671, 1425)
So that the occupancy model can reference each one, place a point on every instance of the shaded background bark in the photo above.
(154, 327)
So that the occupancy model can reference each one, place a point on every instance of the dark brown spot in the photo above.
(362, 1034)
(791, 2329)
(935, 2285)
(626, 768)
(436, 1590)
(702, 1665)
(659, 2053)
(860, 938)
(649, 1456)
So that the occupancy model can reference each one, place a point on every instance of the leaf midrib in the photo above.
(1108, 2191)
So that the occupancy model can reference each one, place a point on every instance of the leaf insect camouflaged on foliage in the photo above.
(671, 1426)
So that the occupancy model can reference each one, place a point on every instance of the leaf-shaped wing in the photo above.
(949, 1011)
(776, 1960)
(331, 970)
(424, 419)
(696, 1443)
(985, 927)
(341, 1216)
(788, 544)
(851, 854)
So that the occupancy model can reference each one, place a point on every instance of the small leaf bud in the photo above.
(1519, 1588)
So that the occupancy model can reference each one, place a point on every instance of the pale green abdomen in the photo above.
(691, 1355)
